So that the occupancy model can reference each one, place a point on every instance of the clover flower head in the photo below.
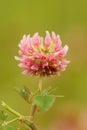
(42, 56)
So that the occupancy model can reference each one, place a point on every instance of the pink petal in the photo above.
(21, 65)
(17, 58)
(54, 37)
(35, 67)
(47, 39)
(36, 40)
(58, 45)
(45, 64)
(63, 52)
(25, 72)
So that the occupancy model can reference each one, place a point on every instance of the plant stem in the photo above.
(8, 122)
(33, 127)
(10, 109)
(40, 84)
(32, 112)
(34, 107)
(30, 124)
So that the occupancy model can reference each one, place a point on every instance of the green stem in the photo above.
(27, 122)
(8, 122)
(10, 109)
(40, 84)
(34, 107)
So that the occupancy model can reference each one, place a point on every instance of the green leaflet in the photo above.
(44, 102)
(25, 93)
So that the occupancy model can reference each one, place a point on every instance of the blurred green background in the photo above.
(67, 18)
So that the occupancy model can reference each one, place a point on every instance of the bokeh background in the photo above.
(67, 18)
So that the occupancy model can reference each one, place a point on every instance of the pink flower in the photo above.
(40, 56)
